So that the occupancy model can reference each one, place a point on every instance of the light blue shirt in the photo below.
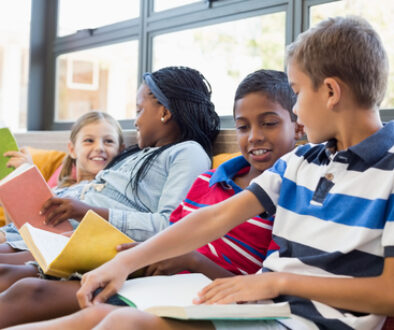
(166, 184)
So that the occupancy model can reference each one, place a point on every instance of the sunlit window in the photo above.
(381, 17)
(103, 78)
(77, 15)
(225, 53)
(14, 62)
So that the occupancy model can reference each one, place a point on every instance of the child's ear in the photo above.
(299, 131)
(333, 90)
(71, 150)
(166, 115)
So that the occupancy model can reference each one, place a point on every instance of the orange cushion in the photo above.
(221, 158)
(47, 161)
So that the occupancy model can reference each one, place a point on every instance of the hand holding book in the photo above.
(56, 210)
(17, 158)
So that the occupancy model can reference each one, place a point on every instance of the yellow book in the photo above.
(92, 244)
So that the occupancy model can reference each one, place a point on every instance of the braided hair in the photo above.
(187, 95)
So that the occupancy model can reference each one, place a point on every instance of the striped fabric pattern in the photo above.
(334, 217)
(243, 249)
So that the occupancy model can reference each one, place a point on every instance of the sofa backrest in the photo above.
(57, 140)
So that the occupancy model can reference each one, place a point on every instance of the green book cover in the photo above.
(7, 143)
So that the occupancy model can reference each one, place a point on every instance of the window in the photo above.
(14, 62)
(103, 78)
(77, 15)
(225, 53)
(94, 52)
(381, 18)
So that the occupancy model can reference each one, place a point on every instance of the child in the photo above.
(95, 139)
(266, 129)
(333, 201)
(176, 125)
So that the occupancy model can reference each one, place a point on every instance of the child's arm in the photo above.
(197, 229)
(193, 262)
(57, 210)
(368, 295)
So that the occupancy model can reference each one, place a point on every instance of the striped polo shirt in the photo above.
(334, 218)
(243, 249)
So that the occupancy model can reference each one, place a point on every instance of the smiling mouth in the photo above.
(259, 152)
(99, 158)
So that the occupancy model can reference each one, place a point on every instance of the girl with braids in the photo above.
(95, 139)
(176, 124)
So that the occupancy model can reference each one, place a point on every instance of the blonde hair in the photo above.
(347, 48)
(66, 178)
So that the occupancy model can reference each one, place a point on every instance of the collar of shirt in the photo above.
(369, 150)
(228, 170)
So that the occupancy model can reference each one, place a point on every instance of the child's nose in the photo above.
(255, 134)
(99, 145)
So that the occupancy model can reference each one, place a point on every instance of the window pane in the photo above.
(168, 4)
(14, 62)
(380, 16)
(225, 53)
(103, 78)
(77, 15)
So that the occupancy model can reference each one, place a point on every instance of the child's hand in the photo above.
(17, 158)
(170, 266)
(109, 276)
(57, 210)
(241, 288)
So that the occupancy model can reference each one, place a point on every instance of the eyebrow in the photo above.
(265, 114)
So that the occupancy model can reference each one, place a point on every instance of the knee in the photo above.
(27, 289)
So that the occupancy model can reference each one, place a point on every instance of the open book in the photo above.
(7, 143)
(172, 296)
(22, 194)
(92, 243)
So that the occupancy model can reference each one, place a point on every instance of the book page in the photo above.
(49, 244)
(175, 290)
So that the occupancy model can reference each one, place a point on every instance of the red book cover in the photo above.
(22, 194)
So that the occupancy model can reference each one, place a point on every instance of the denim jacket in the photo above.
(159, 192)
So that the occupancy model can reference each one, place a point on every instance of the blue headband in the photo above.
(156, 90)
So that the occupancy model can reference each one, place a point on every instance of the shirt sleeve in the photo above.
(182, 168)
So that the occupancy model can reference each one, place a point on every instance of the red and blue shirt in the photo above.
(243, 249)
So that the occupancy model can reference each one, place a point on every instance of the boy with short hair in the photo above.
(334, 202)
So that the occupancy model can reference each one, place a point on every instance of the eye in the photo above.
(88, 140)
(109, 141)
(270, 123)
(242, 128)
